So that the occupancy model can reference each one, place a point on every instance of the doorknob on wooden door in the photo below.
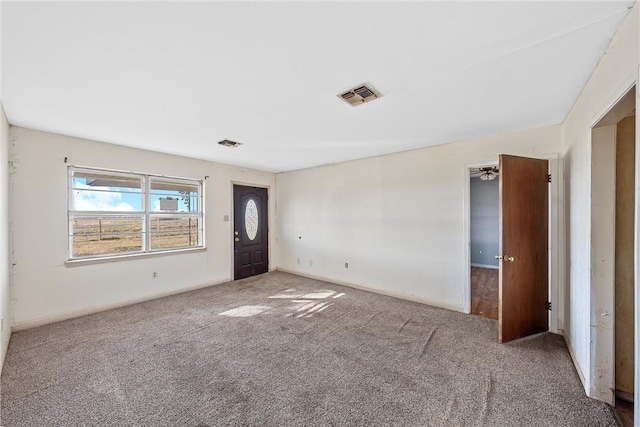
(505, 258)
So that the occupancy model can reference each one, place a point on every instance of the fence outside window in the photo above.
(118, 213)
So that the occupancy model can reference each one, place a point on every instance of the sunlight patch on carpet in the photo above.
(246, 311)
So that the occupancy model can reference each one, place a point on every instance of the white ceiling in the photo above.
(179, 77)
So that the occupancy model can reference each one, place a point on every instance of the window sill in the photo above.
(127, 257)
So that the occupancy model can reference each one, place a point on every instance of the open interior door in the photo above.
(524, 260)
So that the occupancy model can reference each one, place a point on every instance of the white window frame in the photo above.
(145, 215)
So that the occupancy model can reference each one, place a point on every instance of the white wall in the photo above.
(5, 292)
(614, 75)
(398, 220)
(45, 289)
(484, 208)
(5, 313)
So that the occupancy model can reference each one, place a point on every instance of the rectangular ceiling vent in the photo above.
(360, 95)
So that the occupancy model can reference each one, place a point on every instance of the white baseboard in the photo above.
(494, 267)
(72, 315)
(399, 295)
(3, 356)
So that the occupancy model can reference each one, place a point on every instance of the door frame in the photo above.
(230, 234)
(556, 266)
(601, 379)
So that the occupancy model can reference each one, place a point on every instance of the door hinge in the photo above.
(549, 177)
(549, 306)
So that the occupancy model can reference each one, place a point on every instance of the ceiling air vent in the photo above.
(360, 95)
(229, 143)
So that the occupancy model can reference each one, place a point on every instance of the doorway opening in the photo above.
(613, 141)
(527, 217)
(484, 212)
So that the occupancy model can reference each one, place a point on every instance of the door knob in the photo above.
(237, 239)
(505, 258)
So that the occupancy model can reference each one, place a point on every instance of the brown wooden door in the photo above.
(251, 233)
(524, 227)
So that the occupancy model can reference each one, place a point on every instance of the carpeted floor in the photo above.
(283, 350)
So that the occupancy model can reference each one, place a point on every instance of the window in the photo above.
(116, 213)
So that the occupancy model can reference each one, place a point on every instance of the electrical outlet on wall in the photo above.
(154, 275)
(346, 265)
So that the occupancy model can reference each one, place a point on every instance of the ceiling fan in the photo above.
(486, 173)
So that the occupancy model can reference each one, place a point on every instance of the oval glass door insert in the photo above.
(251, 219)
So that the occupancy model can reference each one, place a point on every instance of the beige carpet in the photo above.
(282, 350)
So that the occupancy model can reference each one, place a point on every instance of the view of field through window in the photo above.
(108, 213)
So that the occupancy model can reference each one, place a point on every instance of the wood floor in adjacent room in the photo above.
(624, 412)
(281, 350)
(484, 292)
